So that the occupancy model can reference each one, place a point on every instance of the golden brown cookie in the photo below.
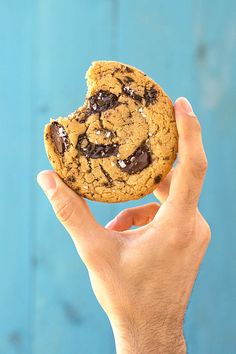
(121, 143)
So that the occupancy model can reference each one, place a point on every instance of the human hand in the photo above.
(143, 278)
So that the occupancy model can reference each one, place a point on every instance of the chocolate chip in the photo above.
(102, 101)
(128, 79)
(116, 70)
(136, 162)
(120, 81)
(71, 179)
(150, 95)
(129, 70)
(157, 179)
(108, 177)
(95, 151)
(59, 137)
(129, 92)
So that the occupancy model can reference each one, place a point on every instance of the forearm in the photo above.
(148, 338)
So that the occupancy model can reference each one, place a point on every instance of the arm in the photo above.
(143, 278)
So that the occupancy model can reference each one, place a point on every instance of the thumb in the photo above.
(71, 210)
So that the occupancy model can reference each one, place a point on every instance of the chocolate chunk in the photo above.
(120, 81)
(157, 179)
(95, 151)
(129, 70)
(102, 101)
(128, 79)
(129, 92)
(59, 137)
(150, 95)
(71, 179)
(116, 70)
(108, 177)
(136, 162)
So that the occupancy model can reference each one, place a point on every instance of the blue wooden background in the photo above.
(189, 46)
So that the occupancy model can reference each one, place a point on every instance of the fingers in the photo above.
(163, 188)
(70, 209)
(137, 216)
(189, 174)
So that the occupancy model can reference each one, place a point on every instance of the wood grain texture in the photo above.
(189, 47)
(68, 37)
(15, 182)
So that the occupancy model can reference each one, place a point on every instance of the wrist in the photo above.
(147, 337)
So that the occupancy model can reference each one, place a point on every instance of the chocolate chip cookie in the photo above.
(121, 143)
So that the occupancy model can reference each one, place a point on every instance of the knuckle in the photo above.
(206, 234)
(154, 205)
(123, 214)
(64, 212)
(203, 163)
(199, 166)
(198, 127)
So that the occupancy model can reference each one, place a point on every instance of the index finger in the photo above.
(189, 174)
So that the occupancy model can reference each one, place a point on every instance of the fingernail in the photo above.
(185, 106)
(47, 182)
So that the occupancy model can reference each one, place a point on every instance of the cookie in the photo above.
(121, 143)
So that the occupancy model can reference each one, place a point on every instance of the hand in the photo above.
(143, 277)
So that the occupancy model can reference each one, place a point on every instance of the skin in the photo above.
(143, 277)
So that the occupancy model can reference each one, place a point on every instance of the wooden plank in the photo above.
(189, 47)
(211, 321)
(15, 186)
(68, 37)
